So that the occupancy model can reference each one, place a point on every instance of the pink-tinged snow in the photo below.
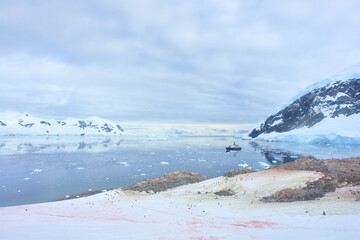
(183, 213)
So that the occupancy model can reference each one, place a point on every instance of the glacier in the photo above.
(340, 130)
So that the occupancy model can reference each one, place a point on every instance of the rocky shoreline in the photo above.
(338, 173)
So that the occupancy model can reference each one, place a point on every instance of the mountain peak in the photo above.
(334, 97)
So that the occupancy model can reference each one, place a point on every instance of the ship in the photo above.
(233, 147)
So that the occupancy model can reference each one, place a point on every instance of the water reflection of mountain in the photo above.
(14, 145)
(276, 155)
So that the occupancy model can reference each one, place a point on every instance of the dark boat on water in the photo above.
(233, 147)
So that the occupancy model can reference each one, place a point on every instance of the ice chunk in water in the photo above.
(264, 165)
(242, 165)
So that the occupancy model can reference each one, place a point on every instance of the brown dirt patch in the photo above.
(239, 171)
(169, 181)
(338, 173)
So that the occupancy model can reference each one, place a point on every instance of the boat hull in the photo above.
(228, 149)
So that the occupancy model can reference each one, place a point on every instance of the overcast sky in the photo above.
(171, 61)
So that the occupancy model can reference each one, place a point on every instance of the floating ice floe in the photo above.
(124, 164)
(202, 160)
(264, 165)
(37, 170)
(27, 178)
(242, 165)
(164, 163)
(19, 190)
(90, 189)
(79, 168)
(143, 174)
(67, 196)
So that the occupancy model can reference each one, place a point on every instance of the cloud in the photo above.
(201, 61)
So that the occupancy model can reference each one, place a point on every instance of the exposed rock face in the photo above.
(119, 127)
(169, 181)
(21, 123)
(338, 173)
(62, 123)
(106, 127)
(45, 122)
(330, 101)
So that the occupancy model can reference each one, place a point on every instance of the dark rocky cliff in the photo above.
(331, 100)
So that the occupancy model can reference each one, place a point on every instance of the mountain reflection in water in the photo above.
(278, 156)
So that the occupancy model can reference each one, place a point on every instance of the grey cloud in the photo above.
(221, 61)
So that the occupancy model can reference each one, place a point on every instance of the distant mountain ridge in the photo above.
(324, 109)
(24, 124)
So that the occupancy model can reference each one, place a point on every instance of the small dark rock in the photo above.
(227, 192)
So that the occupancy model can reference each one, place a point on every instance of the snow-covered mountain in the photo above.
(12, 123)
(328, 111)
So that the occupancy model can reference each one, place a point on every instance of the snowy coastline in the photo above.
(340, 130)
(194, 212)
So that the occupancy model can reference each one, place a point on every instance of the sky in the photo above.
(192, 61)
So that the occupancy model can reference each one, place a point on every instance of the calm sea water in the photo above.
(41, 169)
